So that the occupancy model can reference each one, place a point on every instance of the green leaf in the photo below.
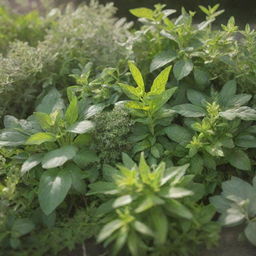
(71, 114)
(120, 241)
(109, 172)
(179, 209)
(128, 162)
(137, 76)
(81, 127)
(162, 59)
(176, 192)
(232, 216)
(58, 157)
(157, 101)
(148, 203)
(109, 229)
(11, 122)
(83, 139)
(246, 141)
(132, 92)
(161, 226)
(178, 134)
(240, 160)
(175, 173)
(159, 83)
(182, 68)
(142, 13)
(53, 188)
(40, 138)
(244, 113)
(44, 120)
(122, 201)
(196, 98)
(51, 102)
(102, 187)
(85, 157)
(189, 110)
(202, 77)
(31, 162)
(143, 229)
(220, 203)
(250, 232)
(239, 100)
(230, 191)
(196, 164)
(77, 176)
(22, 227)
(228, 91)
(9, 138)
(144, 169)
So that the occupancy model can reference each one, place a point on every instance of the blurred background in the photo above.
(244, 11)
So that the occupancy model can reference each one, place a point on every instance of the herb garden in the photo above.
(138, 138)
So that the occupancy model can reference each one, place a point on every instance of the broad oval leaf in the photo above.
(246, 141)
(51, 102)
(182, 68)
(195, 97)
(53, 188)
(11, 138)
(81, 127)
(85, 157)
(22, 227)
(240, 160)
(162, 59)
(31, 162)
(179, 134)
(189, 110)
(228, 91)
(58, 157)
(250, 232)
(202, 77)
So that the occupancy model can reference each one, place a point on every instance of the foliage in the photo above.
(147, 110)
(29, 28)
(183, 123)
(68, 44)
(112, 129)
(51, 138)
(198, 49)
(237, 205)
(147, 209)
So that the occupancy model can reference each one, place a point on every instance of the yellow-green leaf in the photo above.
(137, 76)
(142, 13)
(40, 137)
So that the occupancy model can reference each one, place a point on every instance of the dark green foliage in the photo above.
(111, 134)
(185, 116)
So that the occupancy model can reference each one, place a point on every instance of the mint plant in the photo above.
(145, 205)
(51, 139)
(147, 109)
(236, 205)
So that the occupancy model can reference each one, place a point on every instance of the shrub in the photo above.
(86, 34)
